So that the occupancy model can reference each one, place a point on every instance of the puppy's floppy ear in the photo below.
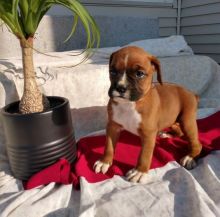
(156, 64)
(110, 59)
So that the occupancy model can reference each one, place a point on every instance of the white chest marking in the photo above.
(125, 114)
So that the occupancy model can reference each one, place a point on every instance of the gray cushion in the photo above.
(193, 72)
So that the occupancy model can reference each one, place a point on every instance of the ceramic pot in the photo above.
(35, 141)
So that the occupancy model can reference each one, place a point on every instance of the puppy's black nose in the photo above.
(121, 89)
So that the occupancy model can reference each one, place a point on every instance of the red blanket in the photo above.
(90, 149)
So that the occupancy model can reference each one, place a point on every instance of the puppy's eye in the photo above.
(113, 73)
(139, 74)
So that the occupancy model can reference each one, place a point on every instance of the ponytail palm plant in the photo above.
(23, 17)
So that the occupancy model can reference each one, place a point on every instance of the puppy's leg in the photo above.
(176, 130)
(112, 135)
(190, 129)
(139, 174)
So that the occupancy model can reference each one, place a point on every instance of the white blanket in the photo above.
(58, 59)
(172, 191)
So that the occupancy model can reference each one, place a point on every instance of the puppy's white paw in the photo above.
(134, 175)
(188, 162)
(101, 167)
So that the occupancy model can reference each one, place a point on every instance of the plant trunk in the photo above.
(32, 100)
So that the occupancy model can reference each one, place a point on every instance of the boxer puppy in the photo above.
(145, 108)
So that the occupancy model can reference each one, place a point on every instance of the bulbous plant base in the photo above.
(37, 140)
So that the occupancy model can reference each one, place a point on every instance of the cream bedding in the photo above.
(173, 190)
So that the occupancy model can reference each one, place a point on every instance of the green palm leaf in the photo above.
(23, 17)
(10, 16)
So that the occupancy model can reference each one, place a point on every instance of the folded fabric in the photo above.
(90, 149)
(60, 172)
(164, 47)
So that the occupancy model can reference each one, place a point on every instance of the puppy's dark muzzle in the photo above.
(121, 89)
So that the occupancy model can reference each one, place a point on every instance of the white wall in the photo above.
(200, 24)
(160, 15)
(163, 10)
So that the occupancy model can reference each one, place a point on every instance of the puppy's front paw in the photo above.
(101, 167)
(188, 162)
(134, 175)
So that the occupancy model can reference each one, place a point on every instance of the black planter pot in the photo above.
(37, 140)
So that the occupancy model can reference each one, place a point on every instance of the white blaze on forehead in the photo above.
(123, 80)
(126, 60)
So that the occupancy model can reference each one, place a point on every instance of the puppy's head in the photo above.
(131, 72)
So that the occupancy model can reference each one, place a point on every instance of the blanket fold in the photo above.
(91, 148)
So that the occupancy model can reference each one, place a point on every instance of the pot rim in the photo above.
(5, 113)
